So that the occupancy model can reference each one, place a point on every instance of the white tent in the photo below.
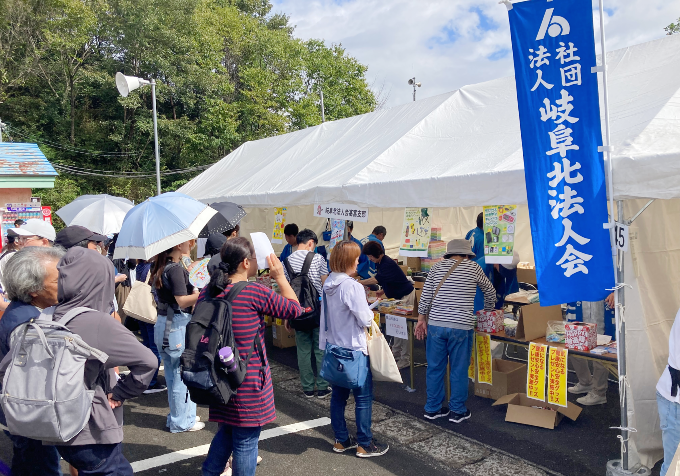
(457, 149)
(463, 149)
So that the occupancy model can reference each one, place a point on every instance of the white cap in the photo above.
(18, 232)
(40, 228)
(515, 261)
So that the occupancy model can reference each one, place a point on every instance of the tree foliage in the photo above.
(673, 28)
(226, 72)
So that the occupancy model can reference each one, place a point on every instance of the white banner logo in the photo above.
(554, 25)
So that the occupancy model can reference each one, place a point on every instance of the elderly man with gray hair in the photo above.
(30, 278)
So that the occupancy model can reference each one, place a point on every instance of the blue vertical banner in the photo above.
(553, 49)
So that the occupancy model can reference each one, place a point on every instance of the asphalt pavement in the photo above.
(301, 438)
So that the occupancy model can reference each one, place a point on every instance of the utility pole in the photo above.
(323, 112)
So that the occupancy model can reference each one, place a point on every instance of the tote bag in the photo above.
(140, 303)
(383, 366)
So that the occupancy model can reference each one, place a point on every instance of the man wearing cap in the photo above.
(446, 317)
(36, 233)
(76, 235)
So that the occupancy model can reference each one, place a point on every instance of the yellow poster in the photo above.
(471, 368)
(536, 372)
(484, 364)
(279, 224)
(557, 376)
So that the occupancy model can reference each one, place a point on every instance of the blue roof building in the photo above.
(24, 166)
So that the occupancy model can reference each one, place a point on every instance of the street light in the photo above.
(126, 84)
(412, 82)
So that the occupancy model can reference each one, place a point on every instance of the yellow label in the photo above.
(471, 368)
(557, 376)
(484, 364)
(279, 321)
(279, 224)
(536, 372)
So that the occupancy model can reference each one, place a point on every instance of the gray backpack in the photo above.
(44, 393)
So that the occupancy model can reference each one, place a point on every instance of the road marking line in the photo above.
(202, 450)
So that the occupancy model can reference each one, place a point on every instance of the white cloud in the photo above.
(447, 44)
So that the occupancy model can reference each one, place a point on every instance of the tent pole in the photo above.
(620, 303)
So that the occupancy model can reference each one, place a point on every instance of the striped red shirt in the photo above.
(253, 404)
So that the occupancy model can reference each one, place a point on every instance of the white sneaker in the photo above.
(579, 389)
(592, 399)
(198, 426)
(259, 459)
(198, 418)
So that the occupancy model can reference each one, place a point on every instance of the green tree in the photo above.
(226, 72)
(673, 28)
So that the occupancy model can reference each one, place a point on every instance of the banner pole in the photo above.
(619, 294)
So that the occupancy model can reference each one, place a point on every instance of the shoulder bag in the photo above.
(140, 303)
(446, 276)
(341, 366)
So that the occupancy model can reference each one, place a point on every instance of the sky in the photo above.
(447, 44)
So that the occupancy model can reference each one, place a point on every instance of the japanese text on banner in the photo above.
(484, 363)
(341, 211)
(557, 376)
(557, 96)
(536, 372)
(471, 368)
(279, 224)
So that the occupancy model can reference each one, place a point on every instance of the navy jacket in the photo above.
(17, 313)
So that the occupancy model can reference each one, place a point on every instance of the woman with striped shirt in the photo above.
(448, 298)
(242, 419)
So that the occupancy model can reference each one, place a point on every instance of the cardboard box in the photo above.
(404, 268)
(533, 320)
(527, 274)
(490, 321)
(508, 377)
(413, 263)
(281, 338)
(580, 336)
(522, 409)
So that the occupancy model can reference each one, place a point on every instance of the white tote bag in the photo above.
(140, 303)
(383, 365)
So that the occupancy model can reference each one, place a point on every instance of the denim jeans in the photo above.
(239, 441)
(444, 346)
(147, 331)
(31, 458)
(97, 460)
(182, 414)
(669, 414)
(363, 399)
(308, 342)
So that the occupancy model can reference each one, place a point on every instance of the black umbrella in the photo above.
(229, 215)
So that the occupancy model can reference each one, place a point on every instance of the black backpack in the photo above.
(210, 329)
(307, 295)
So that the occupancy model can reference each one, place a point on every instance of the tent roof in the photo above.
(461, 148)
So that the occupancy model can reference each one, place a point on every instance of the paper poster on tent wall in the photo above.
(337, 232)
(500, 222)
(557, 94)
(279, 224)
(415, 233)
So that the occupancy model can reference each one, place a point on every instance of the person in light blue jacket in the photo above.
(476, 237)
(368, 269)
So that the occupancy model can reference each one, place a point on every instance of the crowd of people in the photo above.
(48, 275)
